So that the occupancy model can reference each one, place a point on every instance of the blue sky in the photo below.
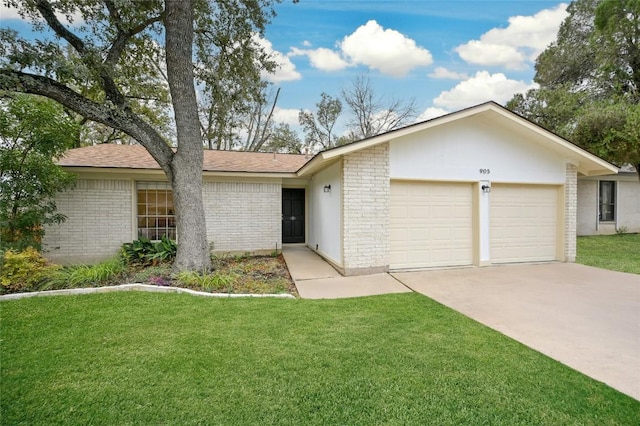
(446, 55)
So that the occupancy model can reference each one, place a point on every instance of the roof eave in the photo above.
(205, 173)
(588, 164)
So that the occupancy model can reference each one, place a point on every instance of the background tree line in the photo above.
(589, 81)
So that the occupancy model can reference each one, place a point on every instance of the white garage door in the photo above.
(524, 223)
(431, 225)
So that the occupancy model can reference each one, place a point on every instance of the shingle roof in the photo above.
(137, 157)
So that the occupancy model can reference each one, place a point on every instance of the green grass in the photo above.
(147, 358)
(614, 252)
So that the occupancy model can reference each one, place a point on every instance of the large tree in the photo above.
(282, 138)
(370, 113)
(232, 65)
(33, 132)
(318, 127)
(590, 80)
(111, 43)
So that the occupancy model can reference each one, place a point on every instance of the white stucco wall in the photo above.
(458, 151)
(243, 215)
(627, 205)
(99, 220)
(325, 213)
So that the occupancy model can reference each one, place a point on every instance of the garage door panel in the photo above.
(417, 212)
(430, 224)
(524, 223)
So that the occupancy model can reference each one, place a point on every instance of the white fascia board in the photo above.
(158, 172)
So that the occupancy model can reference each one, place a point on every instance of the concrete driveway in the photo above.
(584, 317)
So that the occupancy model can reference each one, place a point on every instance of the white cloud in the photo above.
(431, 112)
(322, 58)
(445, 74)
(306, 43)
(285, 70)
(519, 43)
(491, 54)
(387, 51)
(286, 115)
(481, 88)
(8, 13)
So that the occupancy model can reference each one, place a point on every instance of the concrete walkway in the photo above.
(316, 279)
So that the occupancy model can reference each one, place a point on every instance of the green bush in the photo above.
(145, 252)
(163, 251)
(103, 273)
(24, 270)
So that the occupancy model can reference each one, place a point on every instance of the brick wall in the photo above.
(366, 208)
(587, 215)
(99, 221)
(571, 209)
(243, 216)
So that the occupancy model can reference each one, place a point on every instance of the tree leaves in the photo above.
(33, 132)
(318, 127)
(590, 80)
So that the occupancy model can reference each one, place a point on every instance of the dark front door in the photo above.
(292, 215)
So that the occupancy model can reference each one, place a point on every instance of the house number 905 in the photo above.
(485, 171)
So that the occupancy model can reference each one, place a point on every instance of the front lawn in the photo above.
(614, 252)
(147, 358)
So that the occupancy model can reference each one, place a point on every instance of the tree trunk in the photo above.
(186, 166)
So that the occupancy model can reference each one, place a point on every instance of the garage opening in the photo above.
(431, 224)
(524, 223)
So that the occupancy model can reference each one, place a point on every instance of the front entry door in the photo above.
(292, 215)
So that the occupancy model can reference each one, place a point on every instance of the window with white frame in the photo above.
(156, 216)
(607, 201)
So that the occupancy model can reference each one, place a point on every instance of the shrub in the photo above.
(145, 252)
(102, 273)
(24, 270)
(163, 251)
(135, 252)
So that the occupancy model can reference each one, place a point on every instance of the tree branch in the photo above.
(119, 118)
(124, 36)
(111, 90)
(47, 12)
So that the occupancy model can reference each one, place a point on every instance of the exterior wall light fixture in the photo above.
(486, 189)
(327, 188)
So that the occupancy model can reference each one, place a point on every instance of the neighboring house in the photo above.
(477, 187)
(609, 203)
